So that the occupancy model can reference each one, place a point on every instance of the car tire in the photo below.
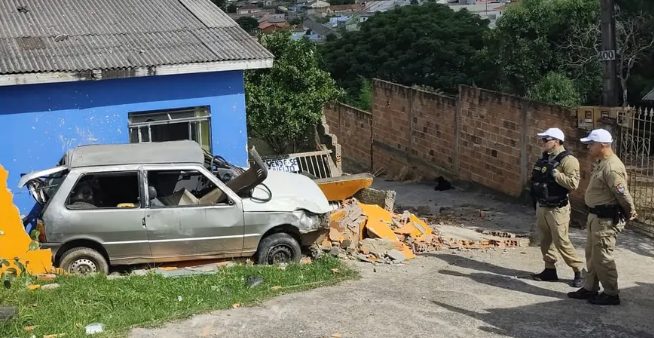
(84, 261)
(278, 248)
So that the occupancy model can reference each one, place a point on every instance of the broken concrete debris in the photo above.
(370, 233)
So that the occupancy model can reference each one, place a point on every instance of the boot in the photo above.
(604, 299)
(582, 294)
(577, 281)
(548, 275)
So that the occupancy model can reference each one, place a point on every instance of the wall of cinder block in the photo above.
(353, 129)
(480, 136)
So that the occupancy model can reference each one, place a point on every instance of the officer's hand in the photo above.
(633, 216)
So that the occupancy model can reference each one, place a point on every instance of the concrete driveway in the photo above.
(449, 294)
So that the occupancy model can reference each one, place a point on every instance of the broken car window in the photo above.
(105, 190)
(177, 188)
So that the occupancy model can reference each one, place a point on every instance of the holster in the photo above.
(613, 212)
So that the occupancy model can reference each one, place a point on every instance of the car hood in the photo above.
(286, 192)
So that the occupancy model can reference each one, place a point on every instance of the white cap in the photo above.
(599, 136)
(553, 133)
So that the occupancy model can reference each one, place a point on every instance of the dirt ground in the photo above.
(449, 293)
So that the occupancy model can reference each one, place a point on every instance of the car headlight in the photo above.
(312, 221)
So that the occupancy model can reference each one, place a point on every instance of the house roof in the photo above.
(265, 25)
(273, 18)
(649, 96)
(319, 4)
(69, 40)
(317, 27)
(343, 8)
(379, 6)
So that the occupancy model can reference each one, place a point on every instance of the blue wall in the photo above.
(38, 123)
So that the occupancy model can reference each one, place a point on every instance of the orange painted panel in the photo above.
(14, 241)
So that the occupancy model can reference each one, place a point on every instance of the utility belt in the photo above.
(550, 204)
(612, 211)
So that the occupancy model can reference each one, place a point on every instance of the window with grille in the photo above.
(172, 125)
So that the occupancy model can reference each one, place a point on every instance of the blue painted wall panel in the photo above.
(38, 123)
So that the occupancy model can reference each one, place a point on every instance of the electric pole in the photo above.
(608, 54)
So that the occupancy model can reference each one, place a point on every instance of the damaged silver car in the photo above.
(107, 205)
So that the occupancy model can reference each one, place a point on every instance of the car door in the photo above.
(105, 205)
(191, 214)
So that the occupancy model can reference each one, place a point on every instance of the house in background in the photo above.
(249, 9)
(271, 27)
(314, 31)
(339, 21)
(273, 22)
(354, 23)
(344, 9)
(93, 71)
(318, 8)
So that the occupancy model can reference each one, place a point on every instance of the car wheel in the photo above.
(84, 261)
(278, 248)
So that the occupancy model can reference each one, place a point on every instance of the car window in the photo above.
(105, 190)
(181, 188)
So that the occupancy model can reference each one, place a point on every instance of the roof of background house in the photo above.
(319, 4)
(265, 25)
(340, 8)
(317, 27)
(69, 40)
(273, 18)
(649, 96)
(379, 6)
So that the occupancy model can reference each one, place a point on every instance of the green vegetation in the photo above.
(285, 102)
(148, 300)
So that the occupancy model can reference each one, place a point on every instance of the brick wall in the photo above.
(353, 128)
(414, 131)
(491, 141)
(480, 136)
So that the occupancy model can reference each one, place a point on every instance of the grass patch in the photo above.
(152, 299)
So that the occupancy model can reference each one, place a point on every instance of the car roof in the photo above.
(134, 153)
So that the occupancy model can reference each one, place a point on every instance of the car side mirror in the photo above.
(152, 192)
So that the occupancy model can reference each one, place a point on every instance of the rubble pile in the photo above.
(369, 233)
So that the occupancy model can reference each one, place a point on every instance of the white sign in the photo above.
(607, 55)
(291, 165)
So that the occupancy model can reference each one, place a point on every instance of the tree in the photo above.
(556, 88)
(635, 42)
(286, 101)
(533, 38)
(249, 24)
(635, 37)
(427, 45)
(220, 3)
(231, 8)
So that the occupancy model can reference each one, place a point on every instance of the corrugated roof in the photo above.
(379, 6)
(82, 35)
